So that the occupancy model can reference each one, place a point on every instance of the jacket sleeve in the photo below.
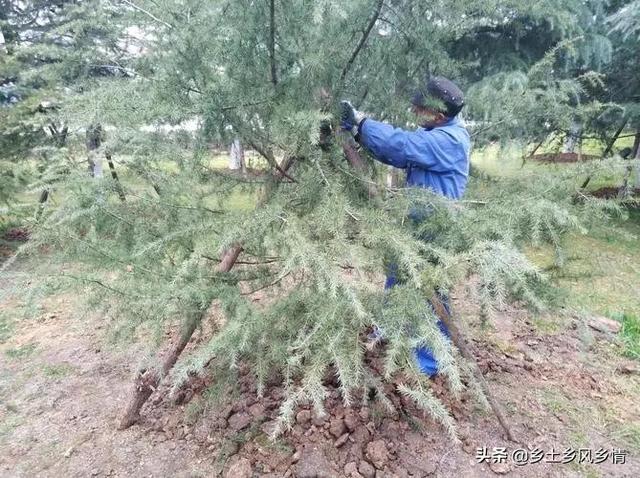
(401, 148)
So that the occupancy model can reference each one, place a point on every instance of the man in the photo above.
(436, 156)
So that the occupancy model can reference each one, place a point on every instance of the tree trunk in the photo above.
(526, 156)
(44, 196)
(94, 137)
(236, 157)
(3, 46)
(614, 138)
(636, 157)
(573, 140)
(610, 147)
(114, 175)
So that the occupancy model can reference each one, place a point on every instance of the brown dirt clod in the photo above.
(378, 453)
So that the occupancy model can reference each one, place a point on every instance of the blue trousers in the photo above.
(424, 357)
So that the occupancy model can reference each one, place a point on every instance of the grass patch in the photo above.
(57, 370)
(548, 326)
(6, 327)
(10, 423)
(628, 435)
(583, 418)
(602, 273)
(21, 352)
(630, 334)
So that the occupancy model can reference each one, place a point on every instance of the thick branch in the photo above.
(266, 154)
(272, 41)
(363, 40)
(356, 162)
(458, 340)
(149, 14)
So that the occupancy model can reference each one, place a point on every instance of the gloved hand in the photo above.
(350, 118)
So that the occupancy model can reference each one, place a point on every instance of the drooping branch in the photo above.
(363, 40)
(147, 381)
(461, 344)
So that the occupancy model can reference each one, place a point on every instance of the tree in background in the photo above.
(577, 31)
(52, 51)
(624, 83)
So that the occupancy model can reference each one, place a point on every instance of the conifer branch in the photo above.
(459, 341)
(149, 14)
(266, 286)
(147, 381)
(178, 206)
(97, 282)
(268, 155)
(363, 40)
(256, 263)
(244, 105)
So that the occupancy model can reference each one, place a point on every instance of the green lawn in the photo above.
(602, 273)
(499, 160)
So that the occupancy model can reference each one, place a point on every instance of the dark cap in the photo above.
(441, 94)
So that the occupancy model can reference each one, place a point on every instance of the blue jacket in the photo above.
(437, 158)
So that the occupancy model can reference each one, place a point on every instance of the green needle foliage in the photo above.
(315, 245)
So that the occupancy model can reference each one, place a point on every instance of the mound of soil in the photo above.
(563, 157)
(19, 234)
(9, 241)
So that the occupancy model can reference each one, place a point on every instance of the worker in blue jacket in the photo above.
(436, 156)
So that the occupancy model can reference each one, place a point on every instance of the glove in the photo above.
(350, 118)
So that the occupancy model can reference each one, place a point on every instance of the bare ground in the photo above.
(563, 385)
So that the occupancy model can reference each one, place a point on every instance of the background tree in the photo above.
(53, 50)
